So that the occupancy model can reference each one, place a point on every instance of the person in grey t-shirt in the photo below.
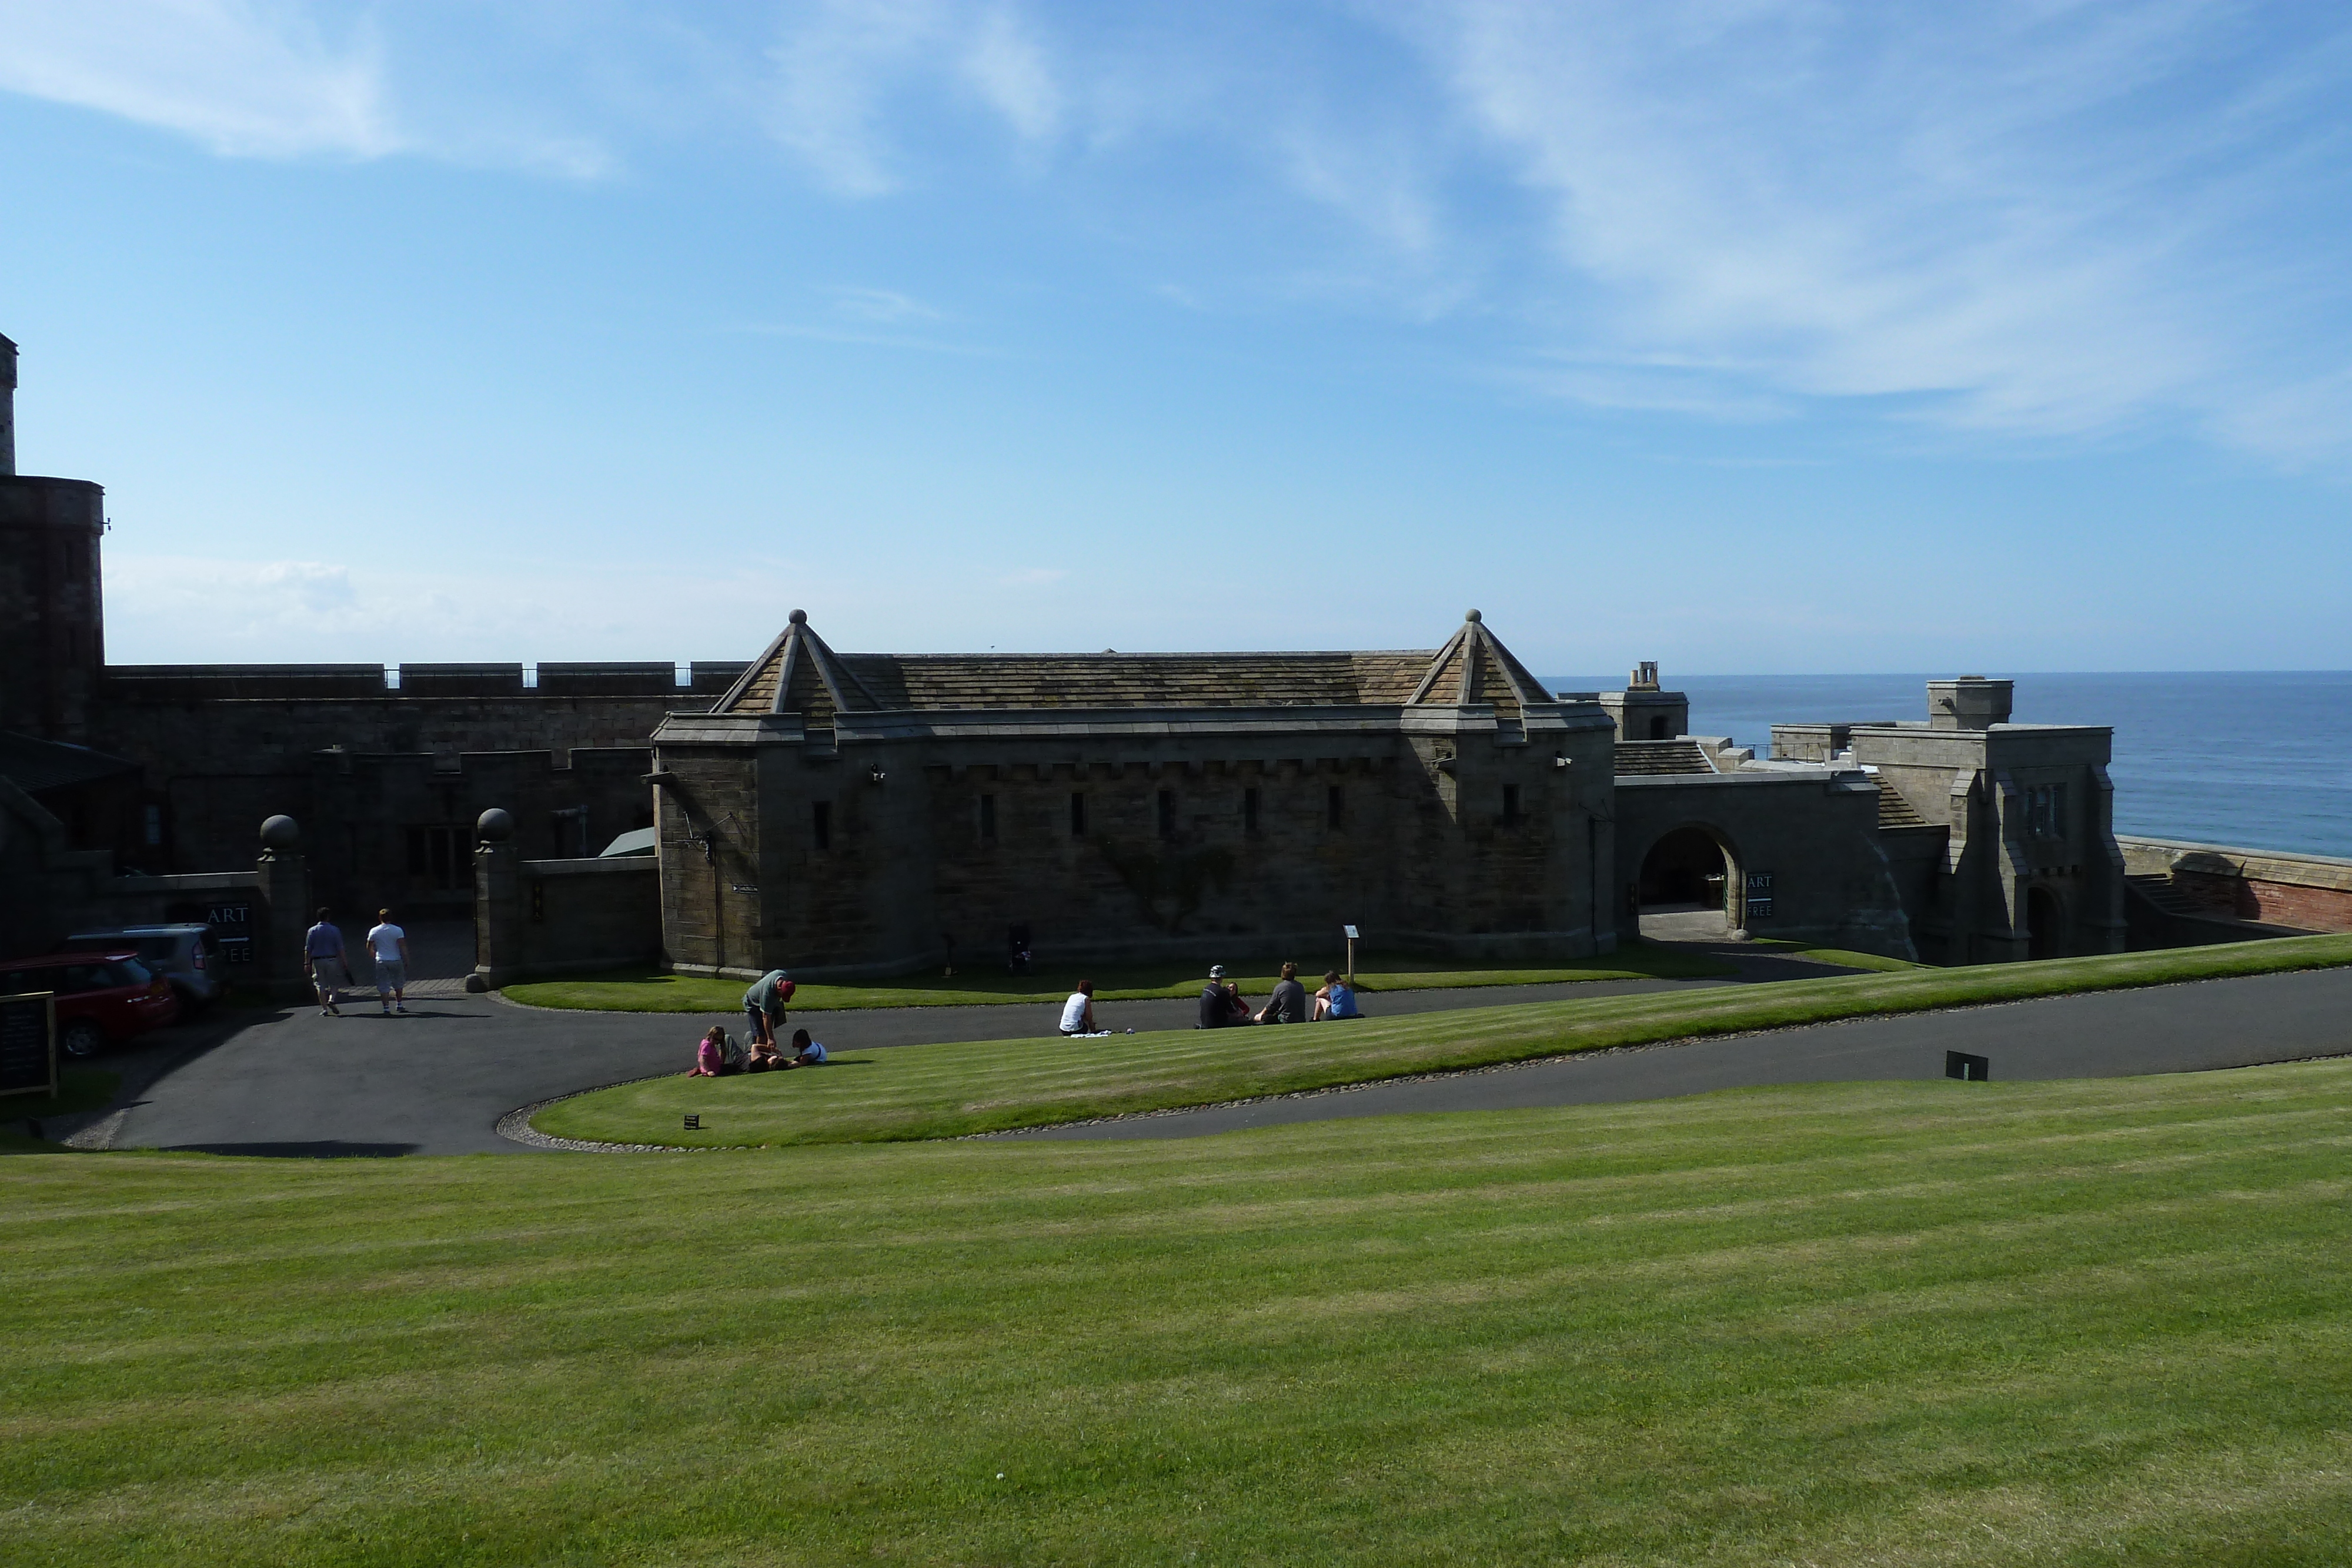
(1289, 1003)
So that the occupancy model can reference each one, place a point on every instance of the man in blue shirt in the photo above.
(323, 953)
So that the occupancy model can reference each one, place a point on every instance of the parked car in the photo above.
(102, 996)
(183, 955)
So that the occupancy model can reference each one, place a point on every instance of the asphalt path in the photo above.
(436, 1081)
(2189, 1028)
(291, 1083)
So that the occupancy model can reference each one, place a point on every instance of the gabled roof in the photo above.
(800, 674)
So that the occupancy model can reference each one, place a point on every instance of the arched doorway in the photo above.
(1689, 888)
(2045, 925)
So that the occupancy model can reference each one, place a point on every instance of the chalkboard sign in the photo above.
(28, 1045)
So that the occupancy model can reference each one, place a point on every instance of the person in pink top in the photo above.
(710, 1056)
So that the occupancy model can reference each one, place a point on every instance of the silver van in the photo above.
(183, 954)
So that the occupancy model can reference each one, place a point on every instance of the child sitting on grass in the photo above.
(716, 1056)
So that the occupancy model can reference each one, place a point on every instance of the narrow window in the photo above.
(1168, 813)
(1337, 806)
(1249, 811)
(154, 826)
(1077, 813)
(1510, 805)
(988, 819)
(2058, 811)
(821, 824)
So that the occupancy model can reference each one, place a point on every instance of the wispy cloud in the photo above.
(2051, 218)
(841, 66)
(2018, 211)
(238, 76)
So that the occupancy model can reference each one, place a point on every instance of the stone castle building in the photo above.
(863, 813)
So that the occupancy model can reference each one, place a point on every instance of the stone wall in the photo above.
(1816, 837)
(223, 746)
(540, 919)
(2309, 893)
(1195, 844)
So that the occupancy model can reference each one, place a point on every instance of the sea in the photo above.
(2256, 762)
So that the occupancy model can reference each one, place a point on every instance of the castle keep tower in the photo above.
(52, 644)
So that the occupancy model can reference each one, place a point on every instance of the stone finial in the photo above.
(1473, 615)
(494, 826)
(798, 618)
(281, 833)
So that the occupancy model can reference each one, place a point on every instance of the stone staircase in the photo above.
(2158, 888)
(1893, 810)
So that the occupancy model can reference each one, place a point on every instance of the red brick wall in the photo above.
(2278, 902)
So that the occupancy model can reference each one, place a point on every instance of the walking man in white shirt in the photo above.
(389, 944)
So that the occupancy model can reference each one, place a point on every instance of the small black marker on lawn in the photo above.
(694, 1123)
(1968, 1068)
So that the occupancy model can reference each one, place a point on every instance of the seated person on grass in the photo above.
(1289, 1003)
(716, 1056)
(1337, 999)
(805, 1052)
(1078, 1012)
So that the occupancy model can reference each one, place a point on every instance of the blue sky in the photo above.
(1748, 337)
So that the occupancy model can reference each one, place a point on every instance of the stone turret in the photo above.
(1970, 702)
(52, 643)
(7, 408)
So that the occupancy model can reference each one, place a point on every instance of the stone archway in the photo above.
(1689, 888)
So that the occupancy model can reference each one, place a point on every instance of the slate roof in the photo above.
(800, 674)
(1657, 758)
(34, 766)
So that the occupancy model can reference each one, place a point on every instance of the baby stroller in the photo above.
(1018, 959)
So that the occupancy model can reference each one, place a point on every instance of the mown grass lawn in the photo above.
(1920, 1323)
(649, 990)
(943, 1090)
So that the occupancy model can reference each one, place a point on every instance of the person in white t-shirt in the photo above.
(389, 944)
(1078, 1012)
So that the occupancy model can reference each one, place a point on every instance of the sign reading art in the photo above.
(28, 1045)
(231, 927)
(1759, 895)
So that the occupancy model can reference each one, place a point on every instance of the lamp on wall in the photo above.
(875, 775)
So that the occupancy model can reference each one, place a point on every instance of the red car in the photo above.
(100, 997)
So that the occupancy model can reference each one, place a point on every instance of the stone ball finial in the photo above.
(799, 618)
(281, 833)
(494, 826)
(1473, 615)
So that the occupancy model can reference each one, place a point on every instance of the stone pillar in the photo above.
(285, 899)
(497, 904)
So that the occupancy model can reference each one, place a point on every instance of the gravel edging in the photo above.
(516, 1128)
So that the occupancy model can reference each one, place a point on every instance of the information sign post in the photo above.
(1351, 953)
(28, 1044)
